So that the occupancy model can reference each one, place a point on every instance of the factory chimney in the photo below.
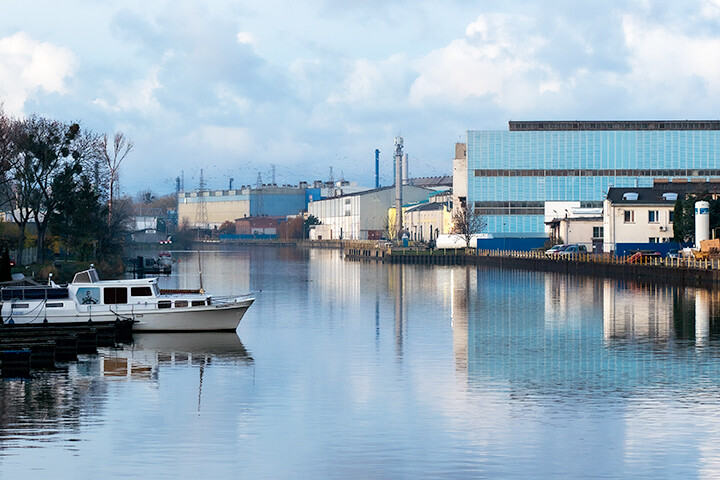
(398, 186)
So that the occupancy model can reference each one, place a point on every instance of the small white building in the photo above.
(638, 215)
(570, 222)
(361, 215)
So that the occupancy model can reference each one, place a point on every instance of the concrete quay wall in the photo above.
(685, 274)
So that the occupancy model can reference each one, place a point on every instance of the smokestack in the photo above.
(398, 186)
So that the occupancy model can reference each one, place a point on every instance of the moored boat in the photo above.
(89, 299)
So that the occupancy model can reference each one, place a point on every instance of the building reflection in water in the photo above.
(702, 317)
(399, 288)
(552, 332)
(634, 311)
(461, 286)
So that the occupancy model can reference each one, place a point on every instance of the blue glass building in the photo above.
(511, 174)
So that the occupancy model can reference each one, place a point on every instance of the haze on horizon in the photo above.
(237, 86)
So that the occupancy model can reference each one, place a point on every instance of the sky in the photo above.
(243, 88)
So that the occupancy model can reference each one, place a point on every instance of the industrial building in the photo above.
(211, 208)
(363, 215)
(512, 174)
(425, 221)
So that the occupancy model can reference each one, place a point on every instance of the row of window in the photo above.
(583, 172)
(653, 216)
(660, 240)
(182, 303)
(615, 125)
(510, 211)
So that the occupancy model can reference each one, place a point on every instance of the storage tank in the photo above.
(702, 222)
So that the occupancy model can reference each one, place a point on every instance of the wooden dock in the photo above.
(25, 347)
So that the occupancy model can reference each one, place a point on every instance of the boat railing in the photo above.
(221, 299)
(179, 291)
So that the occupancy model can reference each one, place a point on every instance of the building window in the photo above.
(654, 240)
(597, 232)
(671, 216)
(653, 216)
(629, 216)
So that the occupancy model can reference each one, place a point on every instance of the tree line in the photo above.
(62, 178)
(684, 215)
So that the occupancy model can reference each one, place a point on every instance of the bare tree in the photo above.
(113, 153)
(467, 222)
(8, 145)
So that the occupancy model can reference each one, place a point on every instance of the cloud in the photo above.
(223, 139)
(372, 83)
(672, 66)
(137, 95)
(248, 84)
(246, 38)
(28, 66)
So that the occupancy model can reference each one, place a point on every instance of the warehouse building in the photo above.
(512, 174)
(362, 215)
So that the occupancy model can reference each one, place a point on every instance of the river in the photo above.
(350, 370)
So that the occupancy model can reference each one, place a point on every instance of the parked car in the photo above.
(572, 249)
(674, 253)
(555, 249)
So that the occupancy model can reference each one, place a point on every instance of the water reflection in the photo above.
(49, 403)
(461, 281)
(365, 370)
(550, 333)
(150, 351)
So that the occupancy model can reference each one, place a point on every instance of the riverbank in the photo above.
(683, 272)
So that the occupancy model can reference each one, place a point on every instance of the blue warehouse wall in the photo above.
(271, 204)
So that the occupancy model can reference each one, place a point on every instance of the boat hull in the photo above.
(210, 318)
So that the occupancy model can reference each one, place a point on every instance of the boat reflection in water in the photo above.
(150, 351)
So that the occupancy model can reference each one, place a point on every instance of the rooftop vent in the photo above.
(670, 196)
(630, 196)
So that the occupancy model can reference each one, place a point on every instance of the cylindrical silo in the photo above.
(702, 222)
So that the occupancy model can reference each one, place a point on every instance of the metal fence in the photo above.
(703, 264)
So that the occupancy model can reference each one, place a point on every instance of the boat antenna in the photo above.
(202, 290)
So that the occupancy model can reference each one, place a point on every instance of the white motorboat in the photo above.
(89, 299)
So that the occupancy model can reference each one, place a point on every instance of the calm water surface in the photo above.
(353, 370)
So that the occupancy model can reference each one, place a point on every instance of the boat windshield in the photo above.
(86, 276)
